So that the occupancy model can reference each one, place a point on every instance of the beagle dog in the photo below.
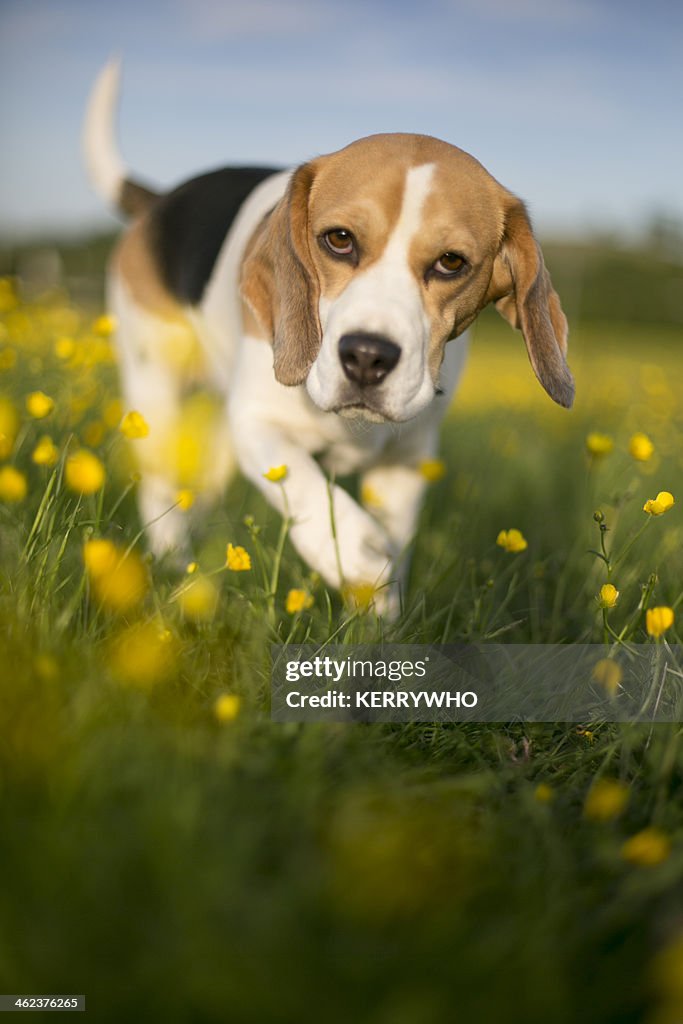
(330, 304)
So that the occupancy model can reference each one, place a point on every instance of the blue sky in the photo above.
(576, 105)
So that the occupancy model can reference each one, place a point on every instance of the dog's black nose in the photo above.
(367, 358)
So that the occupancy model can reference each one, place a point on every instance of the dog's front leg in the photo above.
(393, 494)
(333, 534)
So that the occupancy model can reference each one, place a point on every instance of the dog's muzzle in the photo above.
(367, 358)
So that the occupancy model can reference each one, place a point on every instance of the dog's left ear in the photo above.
(279, 283)
(523, 294)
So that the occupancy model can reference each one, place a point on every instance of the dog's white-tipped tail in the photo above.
(105, 167)
(103, 161)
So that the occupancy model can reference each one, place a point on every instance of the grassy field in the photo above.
(172, 854)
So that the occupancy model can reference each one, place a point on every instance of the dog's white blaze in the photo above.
(385, 299)
(417, 188)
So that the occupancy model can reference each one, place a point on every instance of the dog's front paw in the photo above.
(358, 554)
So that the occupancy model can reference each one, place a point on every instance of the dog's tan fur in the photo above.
(134, 261)
(286, 270)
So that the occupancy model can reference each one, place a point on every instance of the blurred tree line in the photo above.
(637, 281)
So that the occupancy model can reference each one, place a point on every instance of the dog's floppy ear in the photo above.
(279, 283)
(524, 296)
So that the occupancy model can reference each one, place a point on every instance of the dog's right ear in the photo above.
(279, 283)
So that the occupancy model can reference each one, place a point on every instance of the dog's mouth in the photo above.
(361, 411)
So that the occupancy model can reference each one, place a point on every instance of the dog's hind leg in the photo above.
(152, 386)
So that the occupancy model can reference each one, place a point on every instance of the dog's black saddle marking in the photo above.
(188, 226)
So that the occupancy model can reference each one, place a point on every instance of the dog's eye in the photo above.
(449, 264)
(339, 241)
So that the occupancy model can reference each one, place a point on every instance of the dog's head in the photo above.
(381, 253)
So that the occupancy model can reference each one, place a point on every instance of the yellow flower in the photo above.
(608, 674)
(237, 559)
(143, 655)
(276, 473)
(13, 486)
(185, 499)
(370, 497)
(659, 505)
(608, 596)
(226, 708)
(297, 601)
(84, 473)
(647, 848)
(658, 620)
(641, 447)
(185, 446)
(199, 599)
(544, 793)
(39, 404)
(432, 470)
(586, 733)
(134, 426)
(118, 579)
(599, 444)
(100, 556)
(359, 595)
(104, 325)
(65, 347)
(512, 540)
(190, 568)
(606, 800)
(45, 452)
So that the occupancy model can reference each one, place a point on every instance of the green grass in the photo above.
(176, 867)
